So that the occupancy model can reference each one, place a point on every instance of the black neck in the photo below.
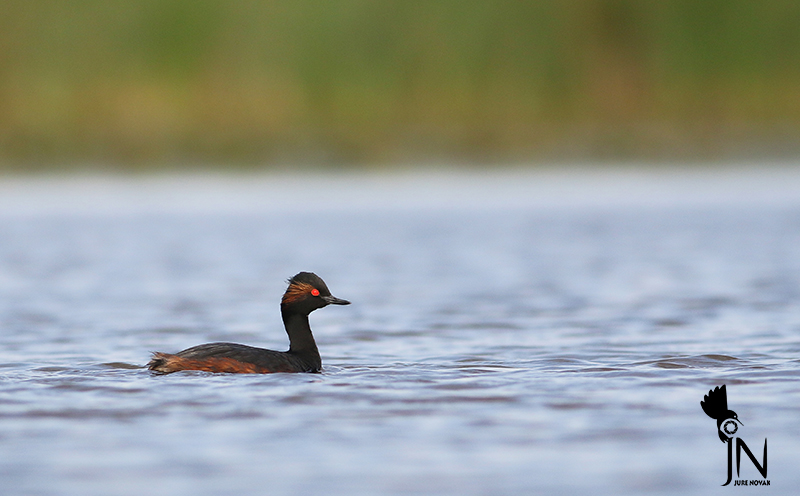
(301, 341)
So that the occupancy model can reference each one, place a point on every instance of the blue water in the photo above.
(511, 332)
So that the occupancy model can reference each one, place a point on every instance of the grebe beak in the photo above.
(332, 300)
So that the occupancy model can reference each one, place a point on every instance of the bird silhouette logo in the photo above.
(715, 404)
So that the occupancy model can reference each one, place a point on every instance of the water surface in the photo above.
(510, 333)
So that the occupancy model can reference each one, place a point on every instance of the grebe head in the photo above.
(308, 292)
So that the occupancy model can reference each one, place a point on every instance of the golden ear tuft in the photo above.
(296, 291)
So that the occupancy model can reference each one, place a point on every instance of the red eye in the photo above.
(315, 292)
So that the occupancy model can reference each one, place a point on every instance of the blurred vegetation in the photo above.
(146, 82)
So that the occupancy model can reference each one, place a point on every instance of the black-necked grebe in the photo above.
(306, 293)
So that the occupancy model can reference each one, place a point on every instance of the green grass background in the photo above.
(151, 83)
